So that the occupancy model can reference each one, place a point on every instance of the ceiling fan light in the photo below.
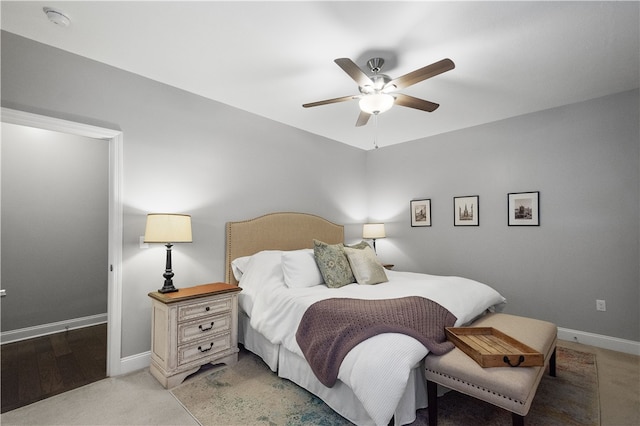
(376, 103)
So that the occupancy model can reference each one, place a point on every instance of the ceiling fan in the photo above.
(378, 91)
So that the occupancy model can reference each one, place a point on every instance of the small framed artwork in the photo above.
(466, 211)
(421, 212)
(523, 208)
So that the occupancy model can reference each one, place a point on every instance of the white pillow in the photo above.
(263, 269)
(239, 265)
(300, 269)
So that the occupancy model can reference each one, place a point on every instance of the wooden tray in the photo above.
(492, 348)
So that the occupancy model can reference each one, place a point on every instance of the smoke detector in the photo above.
(57, 16)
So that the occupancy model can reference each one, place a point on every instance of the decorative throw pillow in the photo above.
(361, 245)
(333, 264)
(365, 266)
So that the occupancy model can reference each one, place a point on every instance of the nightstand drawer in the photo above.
(201, 328)
(203, 348)
(199, 310)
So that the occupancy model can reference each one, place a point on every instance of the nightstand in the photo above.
(192, 327)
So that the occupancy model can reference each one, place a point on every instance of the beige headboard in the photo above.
(277, 231)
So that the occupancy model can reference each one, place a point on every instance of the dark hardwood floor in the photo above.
(38, 368)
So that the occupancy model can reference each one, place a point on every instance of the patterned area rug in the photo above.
(250, 394)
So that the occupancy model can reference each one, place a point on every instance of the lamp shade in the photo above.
(373, 231)
(376, 103)
(168, 228)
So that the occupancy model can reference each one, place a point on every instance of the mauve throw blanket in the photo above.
(329, 329)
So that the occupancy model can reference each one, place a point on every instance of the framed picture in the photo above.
(523, 208)
(466, 211)
(421, 212)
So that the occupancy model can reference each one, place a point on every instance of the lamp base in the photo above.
(171, 289)
(168, 274)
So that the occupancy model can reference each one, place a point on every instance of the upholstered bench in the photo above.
(511, 388)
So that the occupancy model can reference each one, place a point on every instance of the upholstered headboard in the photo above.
(277, 231)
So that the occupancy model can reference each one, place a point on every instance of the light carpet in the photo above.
(251, 394)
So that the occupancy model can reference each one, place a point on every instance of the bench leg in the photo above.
(432, 400)
(552, 364)
(517, 419)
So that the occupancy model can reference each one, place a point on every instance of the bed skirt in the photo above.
(256, 342)
(340, 397)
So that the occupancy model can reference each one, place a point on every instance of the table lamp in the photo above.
(373, 231)
(168, 228)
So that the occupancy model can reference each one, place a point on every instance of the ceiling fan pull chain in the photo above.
(375, 131)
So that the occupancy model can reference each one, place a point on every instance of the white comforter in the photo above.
(377, 369)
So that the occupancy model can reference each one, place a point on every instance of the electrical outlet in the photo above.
(601, 305)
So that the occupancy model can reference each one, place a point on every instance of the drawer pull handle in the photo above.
(205, 329)
(207, 309)
(508, 361)
(206, 349)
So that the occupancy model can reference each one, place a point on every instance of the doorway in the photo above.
(114, 261)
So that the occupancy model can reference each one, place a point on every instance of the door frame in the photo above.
(114, 282)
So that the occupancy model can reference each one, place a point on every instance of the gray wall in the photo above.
(583, 158)
(54, 226)
(185, 153)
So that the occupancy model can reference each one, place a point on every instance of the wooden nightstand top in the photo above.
(194, 292)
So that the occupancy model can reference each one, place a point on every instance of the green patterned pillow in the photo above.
(333, 264)
(365, 266)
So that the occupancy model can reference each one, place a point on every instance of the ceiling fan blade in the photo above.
(330, 101)
(354, 71)
(421, 74)
(411, 102)
(363, 119)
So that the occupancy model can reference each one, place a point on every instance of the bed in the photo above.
(380, 380)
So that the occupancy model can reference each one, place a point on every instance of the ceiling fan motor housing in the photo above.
(375, 64)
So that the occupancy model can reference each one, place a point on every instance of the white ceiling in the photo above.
(270, 57)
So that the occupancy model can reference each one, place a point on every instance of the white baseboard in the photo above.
(600, 341)
(136, 362)
(51, 328)
(142, 360)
